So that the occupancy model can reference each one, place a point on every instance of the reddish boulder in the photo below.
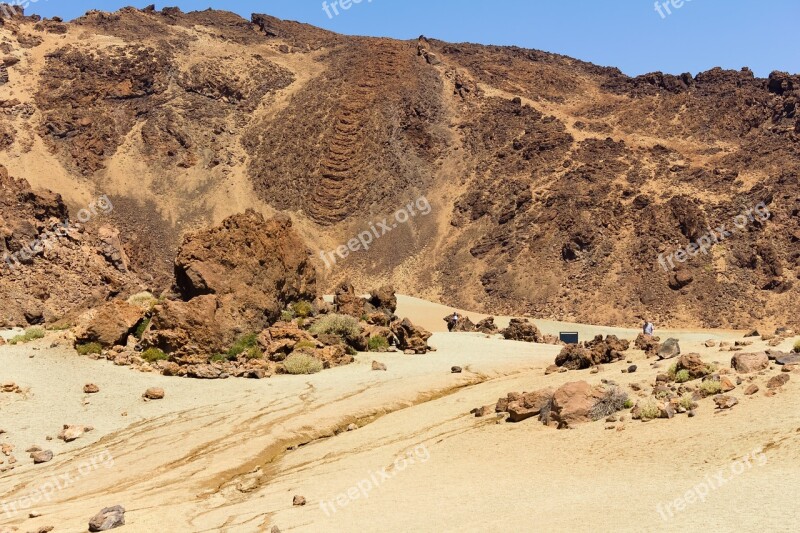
(410, 337)
(347, 302)
(694, 365)
(573, 402)
(528, 405)
(520, 329)
(110, 324)
(747, 363)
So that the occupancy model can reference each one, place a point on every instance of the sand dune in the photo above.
(230, 455)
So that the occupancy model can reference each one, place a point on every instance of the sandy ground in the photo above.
(230, 455)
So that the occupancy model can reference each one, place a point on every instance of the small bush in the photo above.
(614, 401)
(144, 300)
(302, 309)
(90, 347)
(683, 376)
(151, 355)
(302, 363)
(797, 346)
(287, 316)
(31, 334)
(673, 371)
(628, 404)
(247, 345)
(141, 328)
(686, 401)
(219, 357)
(710, 387)
(378, 344)
(59, 327)
(649, 410)
(345, 326)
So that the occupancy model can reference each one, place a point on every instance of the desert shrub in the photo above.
(612, 402)
(683, 376)
(686, 401)
(141, 328)
(302, 363)
(220, 357)
(628, 404)
(345, 326)
(59, 327)
(31, 334)
(710, 387)
(287, 316)
(89, 347)
(649, 410)
(662, 394)
(797, 346)
(151, 355)
(378, 343)
(144, 300)
(712, 368)
(302, 309)
(673, 371)
(247, 345)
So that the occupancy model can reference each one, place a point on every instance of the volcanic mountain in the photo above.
(557, 188)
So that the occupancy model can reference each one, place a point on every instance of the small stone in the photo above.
(154, 393)
(91, 388)
(108, 518)
(486, 410)
(692, 413)
(726, 385)
(378, 366)
(611, 419)
(552, 369)
(42, 457)
(632, 369)
(33, 448)
(725, 402)
(778, 381)
(752, 389)
(456, 370)
(352, 427)
(298, 501)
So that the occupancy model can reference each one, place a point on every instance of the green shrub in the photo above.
(287, 316)
(219, 357)
(683, 376)
(302, 363)
(628, 404)
(59, 327)
(305, 345)
(378, 343)
(144, 300)
(649, 410)
(141, 328)
(31, 334)
(797, 346)
(613, 401)
(686, 401)
(673, 371)
(302, 309)
(345, 326)
(89, 347)
(247, 345)
(710, 387)
(151, 355)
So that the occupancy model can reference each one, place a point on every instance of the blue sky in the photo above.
(629, 34)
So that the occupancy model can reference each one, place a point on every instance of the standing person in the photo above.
(648, 328)
(452, 320)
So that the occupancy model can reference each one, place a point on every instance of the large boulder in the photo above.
(232, 280)
(110, 324)
(573, 402)
(648, 344)
(747, 363)
(598, 351)
(464, 325)
(693, 365)
(108, 518)
(670, 349)
(384, 300)
(487, 326)
(527, 405)
(521, 329)
(410, 337)
(280, 339)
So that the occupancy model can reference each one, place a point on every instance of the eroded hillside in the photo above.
(554, 184)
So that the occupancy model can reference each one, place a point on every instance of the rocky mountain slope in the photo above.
(554, 184)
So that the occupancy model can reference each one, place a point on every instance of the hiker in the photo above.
(648, 328)
(452, 320)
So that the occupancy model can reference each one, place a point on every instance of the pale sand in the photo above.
(212, 455)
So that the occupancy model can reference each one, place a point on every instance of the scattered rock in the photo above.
(44, 456)
(378, 366)
(69, 433)
(694, 365)
(710, 343)
(747, 363)
(456, 370)
(725, 402)
(752, 389)
(108, 518)
(110, 324)
(91, 388)
(670, 349)
(521, 329)
(778, 381)
(154, 393)
(632, 369)
(726, 385)
(298, 501)
(523, 406)
(486, 410)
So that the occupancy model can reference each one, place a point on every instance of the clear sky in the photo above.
(629, 34)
